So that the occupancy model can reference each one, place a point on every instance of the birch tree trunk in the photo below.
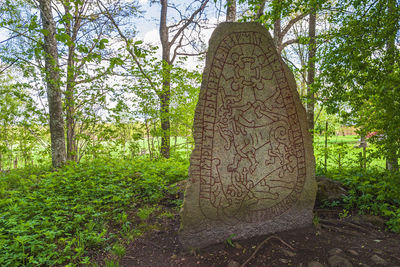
(58, 153)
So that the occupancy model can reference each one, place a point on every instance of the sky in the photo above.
(148, 25)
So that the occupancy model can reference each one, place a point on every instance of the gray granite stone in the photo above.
(252, 171)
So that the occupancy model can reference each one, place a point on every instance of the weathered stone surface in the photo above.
(252, 170)
(329, 190)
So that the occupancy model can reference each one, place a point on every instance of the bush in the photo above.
(374, 192)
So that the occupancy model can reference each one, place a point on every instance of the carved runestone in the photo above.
(252, 171)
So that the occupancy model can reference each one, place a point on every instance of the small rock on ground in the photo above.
(352, 252)
(237, 245)
(378, 260)
(233, 263)
(334, 251)
(287, 252)
(314, 264)
(339, 261)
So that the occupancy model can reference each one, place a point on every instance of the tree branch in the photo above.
(188, 21)
(191, 54)
(128, 47)
(289, 42)
(290, 24)
(8, 66)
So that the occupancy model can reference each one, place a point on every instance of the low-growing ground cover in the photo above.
(373, 192)
(97, 211)
(55, 218)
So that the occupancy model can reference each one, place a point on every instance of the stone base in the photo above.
(293, 219)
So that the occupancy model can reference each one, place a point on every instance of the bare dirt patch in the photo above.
(350, 241)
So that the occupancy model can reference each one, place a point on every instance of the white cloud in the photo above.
(152, 37)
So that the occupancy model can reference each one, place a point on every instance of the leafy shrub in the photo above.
(54, 218)
(373, 192)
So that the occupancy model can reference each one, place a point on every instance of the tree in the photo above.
(170, 50)
(81, 34)
(58, 153)
(360, 67)
(311, 69)
(231, 10)
(277, 12)
(178, 39)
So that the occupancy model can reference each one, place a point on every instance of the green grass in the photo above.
(40, 156)
(54, 218)
(343, 153)
(353, 139)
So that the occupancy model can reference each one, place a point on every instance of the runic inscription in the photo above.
(249, 161)
(249, 108)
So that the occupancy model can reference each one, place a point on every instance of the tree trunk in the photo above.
(72, 152)
(165, 93)
(260, 10)
(70, 106)
(168, 58)
(311, 70)
(71, 140)
(277, 33)
(392, 163)
(58, 153)
(231, 10)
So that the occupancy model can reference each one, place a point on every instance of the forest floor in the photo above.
(333, 240)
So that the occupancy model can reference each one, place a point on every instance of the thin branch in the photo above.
(7, 67)
(91, 79)
(289, 42)
(288, 60)
(176, 49)
(290, 24)
(20, 34)
(319, 113)
(14, 36)
(127, 42)
(188, 21)
(27, 61)
(191, 54)
(260, 246)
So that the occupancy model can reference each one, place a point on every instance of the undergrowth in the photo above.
(56, 218)
(372, 191)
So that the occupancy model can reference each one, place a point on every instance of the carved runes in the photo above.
(252, 169)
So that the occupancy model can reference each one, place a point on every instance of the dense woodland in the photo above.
(96, 124)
